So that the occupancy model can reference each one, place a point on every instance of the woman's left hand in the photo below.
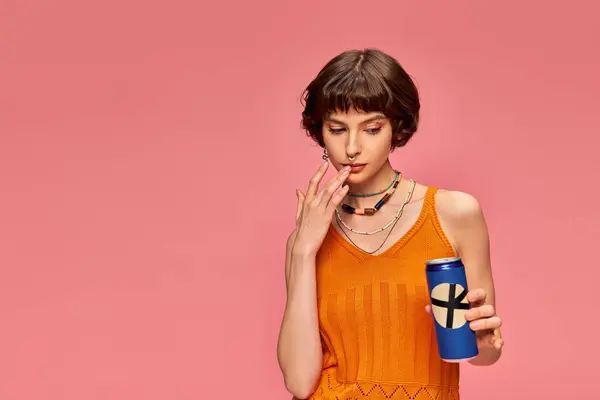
(483, 320)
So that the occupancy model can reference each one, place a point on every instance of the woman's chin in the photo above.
(356, 178)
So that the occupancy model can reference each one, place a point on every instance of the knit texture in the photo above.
(378, 340)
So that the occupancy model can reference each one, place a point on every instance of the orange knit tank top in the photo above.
(378, 340)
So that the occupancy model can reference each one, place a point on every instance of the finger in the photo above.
(337, 198)
(428, 308)
(486, 324)
(484, 311)
(325, 194)
(313, 185)
(477, 296)
(498, 343)
(300, 196)
(495, 341)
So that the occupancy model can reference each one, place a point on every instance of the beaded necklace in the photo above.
(375, 193)
(372, 251)
(372, 210)
(386, 236)
(396, 217)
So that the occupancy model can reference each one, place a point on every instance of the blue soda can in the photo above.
(447, 282)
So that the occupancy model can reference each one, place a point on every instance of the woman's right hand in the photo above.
(316, 208)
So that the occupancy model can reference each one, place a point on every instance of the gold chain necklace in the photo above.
(396, 217)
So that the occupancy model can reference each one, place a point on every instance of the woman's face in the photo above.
(361, 140)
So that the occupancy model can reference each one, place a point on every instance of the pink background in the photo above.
(142, 244)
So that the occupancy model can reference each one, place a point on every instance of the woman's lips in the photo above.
(356, 168)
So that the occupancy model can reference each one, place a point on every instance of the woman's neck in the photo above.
(378, 182)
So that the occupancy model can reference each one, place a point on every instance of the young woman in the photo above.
(357, 323)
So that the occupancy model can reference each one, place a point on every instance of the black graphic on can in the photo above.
(449, 304)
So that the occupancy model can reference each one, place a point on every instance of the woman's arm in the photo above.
(462, 218)
(299, 349)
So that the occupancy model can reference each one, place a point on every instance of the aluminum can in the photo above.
(447, 284)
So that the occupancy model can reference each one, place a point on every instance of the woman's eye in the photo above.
(371, 131)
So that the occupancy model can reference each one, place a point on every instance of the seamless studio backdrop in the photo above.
(149, 154)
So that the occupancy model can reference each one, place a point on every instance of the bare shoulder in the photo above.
(461, 217)
(457, 207)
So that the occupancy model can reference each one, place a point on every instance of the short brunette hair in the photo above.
(367, 80)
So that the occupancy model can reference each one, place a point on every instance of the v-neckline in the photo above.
(399, 242)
